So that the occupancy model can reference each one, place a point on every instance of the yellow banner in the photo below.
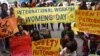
(40, 15)
(46, 47)
(88, 21)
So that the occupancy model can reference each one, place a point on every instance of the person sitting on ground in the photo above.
(35, 35)
(21, 31)
(45, 32)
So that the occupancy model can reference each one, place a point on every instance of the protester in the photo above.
(65, 3)
(98, 6)
(89, 7)
(85, 48)
(4, 9)
(66, 28)
(83, 6)
(79, 44)
(98, 49)
(41, 3)
(93, 5)
(69, 50)
(21, 31)
(26, 27)
(93, 44)
(50, 4)
(36, 35)
(11, 11)
(32, 3)
(69, 45)
(4, 42)
(60, 4)
(16, 4)
(24, 4)
(45, 32)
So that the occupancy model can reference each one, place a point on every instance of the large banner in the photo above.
(42, 15)
(20, 46)
(88, 21)
(7, 26)
(46, 47)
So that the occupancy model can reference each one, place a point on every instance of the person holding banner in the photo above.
(32, 4)
(49, 4)
(40, 4)
(98, 6)
(93, 43)
(83, 6)
(64, 5)
(26, 27)
(24, 4)
(11, 11)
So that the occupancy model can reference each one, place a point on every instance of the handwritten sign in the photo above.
(20, 46)
(7, 26)
(46, 47)
(43, 15)
(88, 21)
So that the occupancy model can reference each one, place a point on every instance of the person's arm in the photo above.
(84, 38)
(63, 51)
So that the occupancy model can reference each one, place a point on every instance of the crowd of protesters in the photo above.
(91, 42)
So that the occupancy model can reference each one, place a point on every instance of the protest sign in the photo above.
(42, 15)
(88, 21)
(46, 47)
(20, 46)
(7, 26)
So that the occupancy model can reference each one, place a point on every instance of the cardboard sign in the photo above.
(20, 46)
(88, 21)
(46, 47)
(41, 15)
(7, 26)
